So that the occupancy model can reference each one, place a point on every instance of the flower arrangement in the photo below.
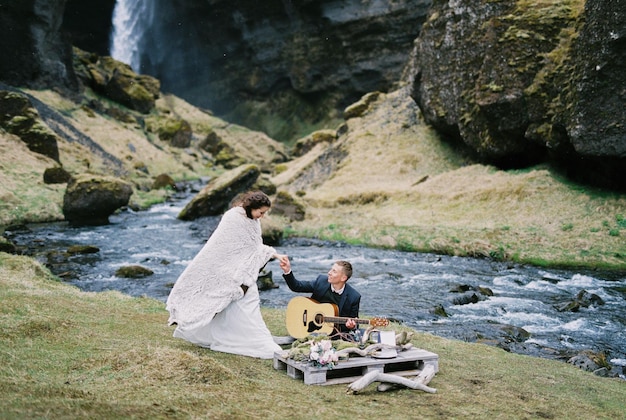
(323, 354)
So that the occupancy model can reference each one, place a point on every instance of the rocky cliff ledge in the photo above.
(274, 65)
(522, 81)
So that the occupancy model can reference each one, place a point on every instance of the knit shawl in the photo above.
(233, 255)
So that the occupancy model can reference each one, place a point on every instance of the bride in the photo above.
(215, 302)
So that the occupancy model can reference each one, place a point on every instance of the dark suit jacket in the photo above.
(350, 298)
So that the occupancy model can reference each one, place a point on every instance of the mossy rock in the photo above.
(307, 143)
(91, 199)
(216, 196)
(358, 109)
(83, 249)
(117, 81)
(133, 272)
(228, 158)
(211, 143)
(439, 310)
(175, 131)
(18, 116)
(265, 281)
(163, 181)
(56, 175)
(272, 229)
(224, 154)
(8, 247)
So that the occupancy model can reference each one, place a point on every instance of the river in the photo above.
(397, 285)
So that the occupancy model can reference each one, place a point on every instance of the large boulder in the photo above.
(175, 131)
(91, 199)
(18, 116)
(215, 198)
(473, 64)
(520, 85)
(117, 81)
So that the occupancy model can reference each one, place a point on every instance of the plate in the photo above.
(385, 354)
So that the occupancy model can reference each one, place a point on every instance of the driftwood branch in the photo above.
(371, 349)
(419, 382)
(362, 352)
(424, 377)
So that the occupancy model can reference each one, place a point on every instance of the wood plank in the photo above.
(406, 363)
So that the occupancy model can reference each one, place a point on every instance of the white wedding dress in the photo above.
(207, 303)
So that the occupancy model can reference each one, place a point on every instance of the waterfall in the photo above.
(158, 38)
(131, 21)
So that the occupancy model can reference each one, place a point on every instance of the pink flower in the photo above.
(326, 345)
(323, 353)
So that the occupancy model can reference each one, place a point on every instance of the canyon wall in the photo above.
(517, 82)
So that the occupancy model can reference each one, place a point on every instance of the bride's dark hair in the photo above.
(254, 200)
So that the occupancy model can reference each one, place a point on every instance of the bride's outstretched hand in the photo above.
(281, 258)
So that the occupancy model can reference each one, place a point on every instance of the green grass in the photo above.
(602, 248)
(68, 354)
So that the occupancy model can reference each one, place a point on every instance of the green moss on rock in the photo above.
(133, 272)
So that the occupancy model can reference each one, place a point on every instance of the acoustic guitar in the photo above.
(306, 316)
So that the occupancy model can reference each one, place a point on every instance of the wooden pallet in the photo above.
(406, 363)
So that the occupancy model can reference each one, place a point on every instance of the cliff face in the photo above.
(253, 49)
(89, 24)
(32, 48)
(597, 122)
(519, 81)
(292, 61)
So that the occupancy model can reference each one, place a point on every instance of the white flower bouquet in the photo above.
(323, 354)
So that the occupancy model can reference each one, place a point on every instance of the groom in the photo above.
(330, 288)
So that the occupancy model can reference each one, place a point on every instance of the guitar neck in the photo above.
(343, 320)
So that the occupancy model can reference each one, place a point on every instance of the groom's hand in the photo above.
(285, 265)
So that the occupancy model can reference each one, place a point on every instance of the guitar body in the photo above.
(306, 316)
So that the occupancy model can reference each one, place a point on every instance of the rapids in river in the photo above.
(402, 286)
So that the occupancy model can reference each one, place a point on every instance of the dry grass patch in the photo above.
(382, 153)
(20, 171)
